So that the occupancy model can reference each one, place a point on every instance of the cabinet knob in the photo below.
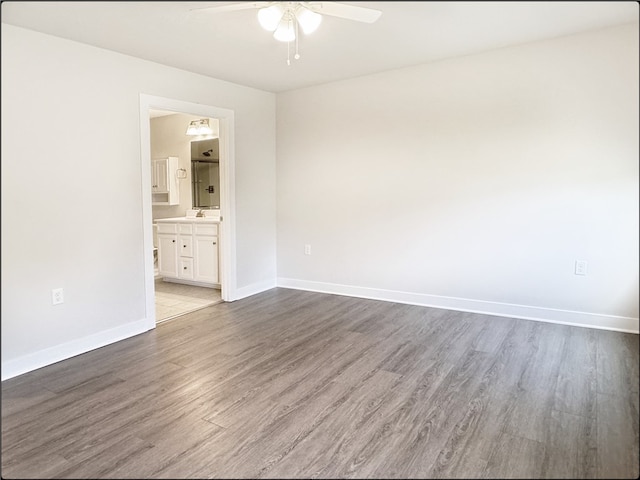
(173, 241)
(214, 243)
(185, 268)
(184, 246)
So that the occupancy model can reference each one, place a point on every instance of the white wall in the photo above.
(472, 183)
(72, 198)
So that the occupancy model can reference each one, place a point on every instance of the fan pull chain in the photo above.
(297, 35)
(297, 55)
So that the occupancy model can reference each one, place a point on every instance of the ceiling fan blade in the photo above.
(232, 7)
(342, 10)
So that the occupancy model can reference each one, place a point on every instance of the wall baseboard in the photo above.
(253, 289)
(525, 312)
(51, 355)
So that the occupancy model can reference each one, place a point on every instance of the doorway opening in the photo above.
(184, 296)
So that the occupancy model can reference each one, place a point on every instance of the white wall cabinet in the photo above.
(188, 251)
(165, 189)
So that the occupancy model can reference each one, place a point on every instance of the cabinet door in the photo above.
(160, 176)
(206, 259)
(154, 177)
(167, 255)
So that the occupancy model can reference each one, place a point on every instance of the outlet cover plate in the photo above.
(581, 267)
(57, 296)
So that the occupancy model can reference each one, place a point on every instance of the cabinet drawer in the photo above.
(209, 229)
(185, 268)
(185, 228)
(167, 227)
(186, 246)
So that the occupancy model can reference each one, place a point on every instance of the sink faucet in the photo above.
(200, 213)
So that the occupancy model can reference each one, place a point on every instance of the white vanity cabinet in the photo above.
(205, 243)
(164, 181)
(188, 251)
(167, 252)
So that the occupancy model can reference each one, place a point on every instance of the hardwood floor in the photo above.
(293, 384)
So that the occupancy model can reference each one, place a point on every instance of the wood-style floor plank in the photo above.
(294, 384)
(571, 446)
(617, 363)
(576, 386)
(617, 436)
(515, 457)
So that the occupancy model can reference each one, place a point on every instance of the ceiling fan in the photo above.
(284, 18)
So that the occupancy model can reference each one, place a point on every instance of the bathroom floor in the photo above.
(175, 299)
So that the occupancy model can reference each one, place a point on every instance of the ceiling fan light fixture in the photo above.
(285, 31)
(308, 20)
(284, 19)
(270, 17)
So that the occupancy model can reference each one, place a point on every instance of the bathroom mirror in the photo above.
(205, 173)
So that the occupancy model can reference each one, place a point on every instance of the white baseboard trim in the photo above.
(254, 288)
(525, 312)
(51, 355)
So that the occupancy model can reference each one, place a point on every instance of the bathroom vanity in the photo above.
(188, 250)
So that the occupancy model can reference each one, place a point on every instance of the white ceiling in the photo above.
(232, 46)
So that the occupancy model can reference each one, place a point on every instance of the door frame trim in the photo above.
(227, 233)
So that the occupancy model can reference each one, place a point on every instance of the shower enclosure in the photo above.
(205, 174)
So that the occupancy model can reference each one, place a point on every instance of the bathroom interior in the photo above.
(193, 178)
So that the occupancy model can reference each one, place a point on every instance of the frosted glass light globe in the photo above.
(270, 17)
(308, 20)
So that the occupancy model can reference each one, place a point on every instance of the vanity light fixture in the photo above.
(199, 127)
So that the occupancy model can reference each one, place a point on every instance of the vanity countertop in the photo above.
(188, 220)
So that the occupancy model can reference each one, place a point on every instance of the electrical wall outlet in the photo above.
(307, 249)
(581, 267)
(57, 296)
